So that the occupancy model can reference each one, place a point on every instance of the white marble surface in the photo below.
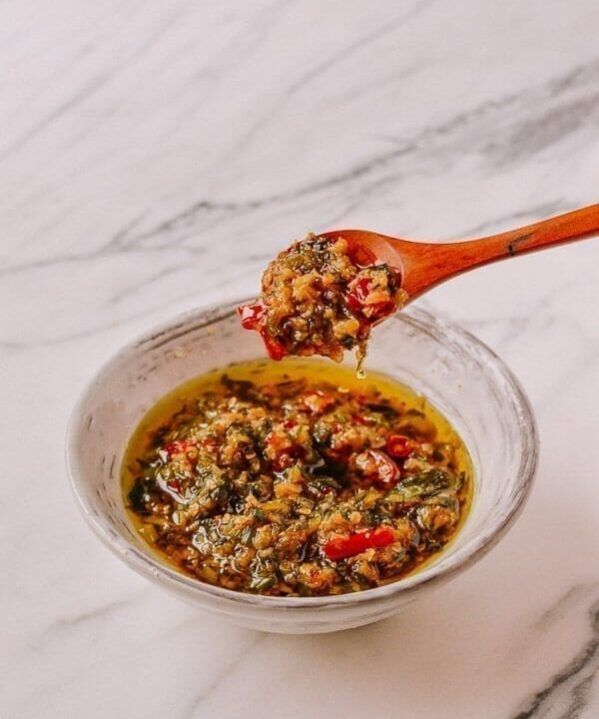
(152, 156)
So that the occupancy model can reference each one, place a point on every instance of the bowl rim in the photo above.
(153, 569)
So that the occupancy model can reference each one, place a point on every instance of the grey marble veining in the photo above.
(152, 158)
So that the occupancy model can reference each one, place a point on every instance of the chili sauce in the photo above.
(321, 297)
(296, 479)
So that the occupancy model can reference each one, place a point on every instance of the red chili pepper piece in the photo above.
(356, 301)
(357, 294)
(358, 542)
(177, 446)
(399, 446)
(275, 349)
(175, 485)
(251, 315)
(380, 309)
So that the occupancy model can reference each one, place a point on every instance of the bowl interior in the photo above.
(460, 375)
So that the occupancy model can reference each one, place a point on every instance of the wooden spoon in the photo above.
(424, 265)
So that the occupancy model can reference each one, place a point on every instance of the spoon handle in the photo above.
(576, 225)
(433, 264)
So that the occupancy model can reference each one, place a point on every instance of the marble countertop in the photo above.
(152, 157)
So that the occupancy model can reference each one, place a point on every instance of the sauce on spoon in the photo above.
(323, 296)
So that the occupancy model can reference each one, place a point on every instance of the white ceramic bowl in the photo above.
(464, 378)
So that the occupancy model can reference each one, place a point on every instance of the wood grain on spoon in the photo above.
(424, 265)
